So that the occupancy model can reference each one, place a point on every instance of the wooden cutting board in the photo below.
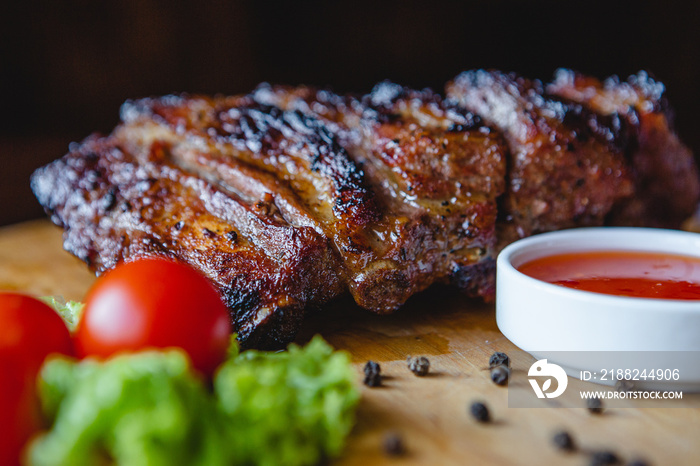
(430, 413)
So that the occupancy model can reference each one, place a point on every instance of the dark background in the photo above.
(65, 67)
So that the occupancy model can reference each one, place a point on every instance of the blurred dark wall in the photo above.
(65, 67)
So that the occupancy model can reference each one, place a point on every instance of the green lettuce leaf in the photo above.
(149, 408)
(145, 408)
(70, 311)
(290, 408)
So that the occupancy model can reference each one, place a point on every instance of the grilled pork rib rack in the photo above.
(288, 197)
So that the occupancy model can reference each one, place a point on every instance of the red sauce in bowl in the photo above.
(621, 273)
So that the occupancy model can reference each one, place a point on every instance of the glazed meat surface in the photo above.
(284, 209)
(434, 167)
(290, 196)
(665, 174)
(567, 164)
(117, 205)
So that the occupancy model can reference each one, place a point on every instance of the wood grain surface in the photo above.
(430, 414)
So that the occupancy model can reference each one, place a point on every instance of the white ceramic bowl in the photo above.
(543, 318)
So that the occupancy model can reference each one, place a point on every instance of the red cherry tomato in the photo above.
(155, 303)
(29, 331)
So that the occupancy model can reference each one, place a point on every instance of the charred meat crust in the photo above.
(281, 207)
(666, 177)
(436, 172)
(116, 207)
(288, 196)
(380, 181)
(566, 164)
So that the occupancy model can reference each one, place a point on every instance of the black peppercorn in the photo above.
(373, 377)
(393, 444)
(604, 458)
(371, 366)
(480, 412)
(563, 441)
(499, 359)
(594, 405)
(419, 366)
(500, 374)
